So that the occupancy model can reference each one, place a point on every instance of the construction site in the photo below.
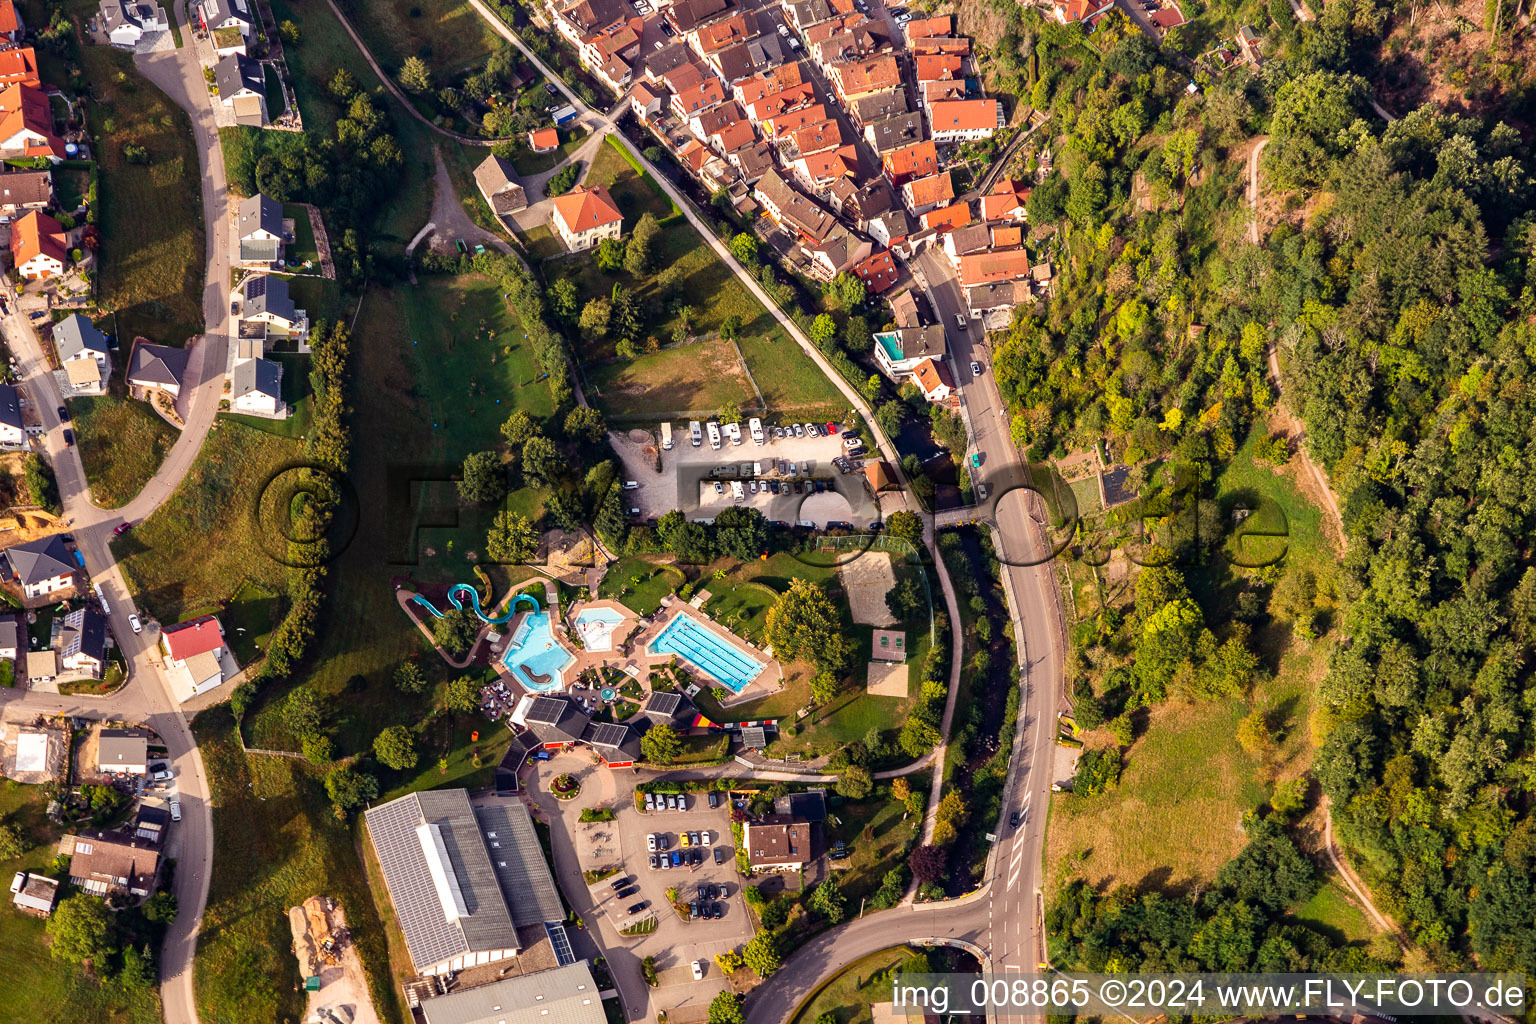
(333, 975)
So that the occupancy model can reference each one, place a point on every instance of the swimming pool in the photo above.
(534, 657)
(704, 650)
(596, 626)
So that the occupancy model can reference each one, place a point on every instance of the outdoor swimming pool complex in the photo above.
(533, 656)
(596, 626)
(700, 647)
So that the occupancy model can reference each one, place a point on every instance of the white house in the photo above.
(12, 433)
(242, 89)
(260, 231)
(82, 354)
(256, 388)
(122, 752)
(964, 120)
(900, 351)
(128, 21)
(42, 567)
(934, 379)
(584, 217)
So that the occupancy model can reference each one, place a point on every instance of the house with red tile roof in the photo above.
(947, 218)
(818, 138)
(39, 247)
(938, 25)
(706, 94)
(792, 209)
(545, 140)
(766, 83)
(795, 97)
(915, 161)
(584, 217)
(26, 125)
(941, 90)
(934, 380)
(923, 194)
(937, 67)
(784, 125)
(11, 25)
(683, 77)
(878, 272)
(733, 136)
(1006, 201)
(964, 120)
(990, 267)
(18, 66)
(841, 251)
(816, 172)
(856, 78)
(719, 35)
(646, 101)
(956, 46)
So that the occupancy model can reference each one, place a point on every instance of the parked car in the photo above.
(69, 438)
(698, 970)
(162, 773)
(650, 801)
(655, 861)
(63, 414)
(676, 857)
(134, 624)
(1013, 820)
(693, 839)
(175, 809)
(650, 842)
(719, 855)
(799, 430)
(975, 368)
(627, 892)
(623, 881)
(682, 840)
(719, 487)
(635, 908)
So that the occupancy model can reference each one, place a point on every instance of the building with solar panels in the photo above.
(617, 744)
(462, 879)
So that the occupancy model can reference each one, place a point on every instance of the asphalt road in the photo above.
(147, 696)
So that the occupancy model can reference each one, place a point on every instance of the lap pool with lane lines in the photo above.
(700, 647)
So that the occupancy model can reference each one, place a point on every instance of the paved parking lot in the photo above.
(688, 475)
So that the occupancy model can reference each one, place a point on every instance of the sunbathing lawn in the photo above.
(614, 168)
(639, 584)
(122, 443)
(151, 256)
(200, 548)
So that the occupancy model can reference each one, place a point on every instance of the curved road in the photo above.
(147, 696)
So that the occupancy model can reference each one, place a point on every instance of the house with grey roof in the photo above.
(497, 181)
(241, 89)
(256, 388)
(80, 637)
(126, 22)
(259, 231)
(83, 358)
(445, 887)
(229, 24)
(555, 721)
(157, 367)
(13, 432)
(10, 637)
(670, 707)
(122, 752)
(616, 743)
(42, 567)
(563, 995)
(267, 310)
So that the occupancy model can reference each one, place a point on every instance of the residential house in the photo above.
(852, 79)
(958, 47)
(42, 666)
(463, 880)
(792, 210)
(771, 82)
(645, 101)
(259, 228)
(127, 21)
(655, 65)
(934, 380)
(683, 77)
(904, 309)
(1166, 17)
(157, 367)
(891, 229)
(268, 310)
(109, 864)
(1006, 201)
(617, 745)
(122, 752)
(990, 267)
(805, 13)
(13, 433)
(923, 194)
(241, 89)
(719, 35)
(584, 217)
(767, 51)
(708, 93)
(964, 120)
(972, 238)
(734, 63)
(915, 161)
(938, 67)
(899, 352)
(996, 298)
(11, 25)
(921, 28)
(1070, 12)
(670, 707)
(1248, 42)
(686, 16)
(777, 843)
(869, 201)
(25, 190)
(556, 721)
(732, 136)
(83, 354)
(578, 19)
(946, 218)
(840, 252)
(827, 29)
(151, 821)
(561, 995)
(214, 15)
(705, 123)
(941, 91)
(42, 567)
(194, 654)
(782, 126)
(256, 388)
(864, 40)
(39, 247)
(752, 162)
(80, 637)
(37, 893)
(878, 272)
(895, 132)
(18, 66)
(702, 162)
(877, 106)
(818, 138)
(26, 125)
(497, 180)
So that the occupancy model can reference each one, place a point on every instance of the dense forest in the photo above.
(1395, 283)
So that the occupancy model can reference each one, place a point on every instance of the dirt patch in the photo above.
(323, 945)
(887, 679)
(867, 579)
(31, 752)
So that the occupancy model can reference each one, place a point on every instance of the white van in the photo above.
(666, 437)
(755, 425)
(714, 435)
(736, 492)
(695, 433)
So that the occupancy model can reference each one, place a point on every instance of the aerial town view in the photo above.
(767, 511)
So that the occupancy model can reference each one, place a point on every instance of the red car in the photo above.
(121, 529)
(832, 429)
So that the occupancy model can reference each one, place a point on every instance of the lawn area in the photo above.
(741, 606)
(447, 34)
(791, 383)
(295, 394)
(37, 986)
(249, 618)
(279, 844)
(640, 584)
(473, 365)
(876, 831)
(850, 993)
(614, 168)
(200, 548)
(151, 254)
(1334, 907)
(542, 243)
(273, 87)
(698, 378)
(303, 247)
(122, 443)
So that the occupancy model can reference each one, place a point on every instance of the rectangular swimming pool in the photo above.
(701, 648)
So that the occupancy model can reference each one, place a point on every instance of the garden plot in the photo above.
(866, 580)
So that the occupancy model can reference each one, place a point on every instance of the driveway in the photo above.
(451, 219)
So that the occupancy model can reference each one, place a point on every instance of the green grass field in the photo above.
(199, 549)
(303, 247)
(631, 187)
(38, 987)
(849, 995)
(701, 377)
(122, 443)
(295, 395)
(527, 162)
(447, 34)
(151, 256)
(639, 584)
(875, 830)
(279, 844)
